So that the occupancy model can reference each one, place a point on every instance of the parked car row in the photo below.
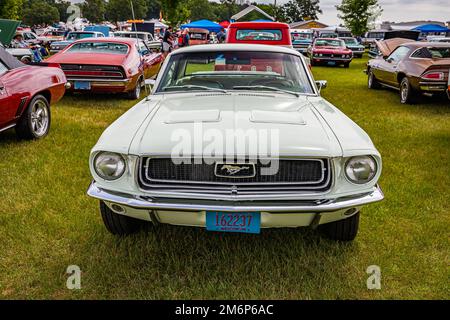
(106, 65)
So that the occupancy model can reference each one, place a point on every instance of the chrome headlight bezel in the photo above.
(352, 176)
(114, 159)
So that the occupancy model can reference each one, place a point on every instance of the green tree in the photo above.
(154, 9)
(40, 12)
(175, 11)
(299, 10)
(120, 10)
(201, 9)
(11, 9)
(359, 14)
(94, 10)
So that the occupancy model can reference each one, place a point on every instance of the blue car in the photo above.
(71, 37)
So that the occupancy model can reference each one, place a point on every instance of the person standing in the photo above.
(167, 41)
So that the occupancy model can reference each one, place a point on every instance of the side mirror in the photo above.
(321, 84)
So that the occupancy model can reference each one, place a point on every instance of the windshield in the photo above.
(301, 36)
(375, 35)
(235, 70)
(329, 43)
(99, 47)
(351, 41)
(78, 36)
(259, 35)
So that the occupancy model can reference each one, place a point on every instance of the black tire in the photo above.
(35, 120)
(346, 64)
(342, 230)
(118, 224)
(407, 93)
(136, 92)
(372, 82)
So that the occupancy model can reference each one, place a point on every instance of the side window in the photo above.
(3, 68)
(143, 50)
(398, 54)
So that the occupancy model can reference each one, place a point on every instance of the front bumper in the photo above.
(331, 59)
(273, 213)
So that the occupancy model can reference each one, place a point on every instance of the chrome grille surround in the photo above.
(244, 186)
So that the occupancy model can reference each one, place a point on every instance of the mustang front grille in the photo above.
(292, 174)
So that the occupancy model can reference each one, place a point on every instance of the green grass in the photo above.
(47, 222)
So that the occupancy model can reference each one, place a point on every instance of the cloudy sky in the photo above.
(394, 10)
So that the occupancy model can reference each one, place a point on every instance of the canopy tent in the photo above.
(203, 24)
(158, 24)
(428, 28)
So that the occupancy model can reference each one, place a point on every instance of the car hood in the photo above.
(303, 125)
(87, 58)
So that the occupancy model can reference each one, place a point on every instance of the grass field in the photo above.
(48, 223)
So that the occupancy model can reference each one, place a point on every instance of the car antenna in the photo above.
(137, 38)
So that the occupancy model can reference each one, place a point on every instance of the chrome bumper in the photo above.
(149, 203)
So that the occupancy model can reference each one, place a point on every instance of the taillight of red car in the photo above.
(434, 75)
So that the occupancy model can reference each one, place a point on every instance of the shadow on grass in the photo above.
(184, 262)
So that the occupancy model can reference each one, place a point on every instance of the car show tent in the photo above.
(203, 24)
(431, 28)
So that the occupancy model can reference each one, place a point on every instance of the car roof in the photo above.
(259, 25)
(329, 38)
(129, 41)
(421, 44)
(237, 47)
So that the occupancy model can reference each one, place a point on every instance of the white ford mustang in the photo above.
(235, 138)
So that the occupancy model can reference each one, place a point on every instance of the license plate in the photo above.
(244, 222)
(82, 85)
(331, 63)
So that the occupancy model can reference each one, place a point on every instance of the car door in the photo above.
(5, 99)
(388, 68)
(145, 54)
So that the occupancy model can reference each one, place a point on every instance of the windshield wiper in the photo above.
(194, 87)
(265, 88)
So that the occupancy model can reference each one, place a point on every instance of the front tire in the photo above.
(136, 92)
(372, 82)
(36, 119)
(118, 224)
(342, 230)
(407, 93)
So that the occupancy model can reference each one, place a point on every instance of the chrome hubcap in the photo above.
(404, 91)
(370, 78)
(39, 118)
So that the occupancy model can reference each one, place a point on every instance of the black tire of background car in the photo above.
(346, 64)
(24, 129)
(374, 84)
(118, 224)
(342, 230)
(411, 95)
(136, 92)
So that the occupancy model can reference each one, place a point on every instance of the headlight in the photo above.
(360, 169)
(109, 166)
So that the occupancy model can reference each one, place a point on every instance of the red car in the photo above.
(330, 51)
(108, 65)
(26, 92)
(271, 33)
